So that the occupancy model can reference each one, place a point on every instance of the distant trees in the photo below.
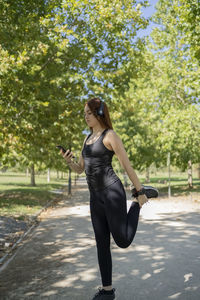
(53, 56)
(160, 111)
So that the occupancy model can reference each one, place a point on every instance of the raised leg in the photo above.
(123, 225)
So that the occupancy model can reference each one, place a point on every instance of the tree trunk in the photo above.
(199, 171)
(57, 174)
(147, 175)
(48, 175)
(190, 183)
(32, 169)
(75, 178)
(69, 182)
(27, 172)
(169, 174)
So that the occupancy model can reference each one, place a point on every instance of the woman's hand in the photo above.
(142, 199)
(67, 155)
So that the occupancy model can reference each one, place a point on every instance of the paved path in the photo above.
(58, 260)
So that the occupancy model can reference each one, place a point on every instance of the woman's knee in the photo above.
(122, 243)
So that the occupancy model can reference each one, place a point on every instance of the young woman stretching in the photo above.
(108, 204)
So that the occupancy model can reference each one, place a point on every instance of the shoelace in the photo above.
(99, 292)
(102, 291)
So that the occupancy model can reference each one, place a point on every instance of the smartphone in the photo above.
(63, 149)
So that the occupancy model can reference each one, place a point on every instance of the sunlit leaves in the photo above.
(53, 54)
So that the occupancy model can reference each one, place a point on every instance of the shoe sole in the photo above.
(150, 191)
(105, 297)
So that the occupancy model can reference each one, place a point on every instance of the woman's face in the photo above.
(90, 119)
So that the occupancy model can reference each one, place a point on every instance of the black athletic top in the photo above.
(98, 167)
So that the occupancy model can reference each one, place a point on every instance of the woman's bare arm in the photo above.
(77, 167)
(116, 144)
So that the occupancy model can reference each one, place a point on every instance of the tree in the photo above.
(165, 90)
(170, 43)
(188, 13)
(59, 53)
(138, 123)
(180, 135)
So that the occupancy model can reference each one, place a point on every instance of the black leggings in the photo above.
(108, 209)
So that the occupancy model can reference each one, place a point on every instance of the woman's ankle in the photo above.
(107, 288)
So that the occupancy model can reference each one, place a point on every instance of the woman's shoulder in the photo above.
(110, 133)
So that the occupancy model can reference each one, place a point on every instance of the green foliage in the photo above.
(138, 125)
(174, 53)
(160, 112)
(180, 135)
(188, 12)
(53, 55)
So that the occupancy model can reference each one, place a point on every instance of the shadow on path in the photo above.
(59, 261)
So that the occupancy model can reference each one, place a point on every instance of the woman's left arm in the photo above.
(115, 142)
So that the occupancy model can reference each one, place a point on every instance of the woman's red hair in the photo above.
(94, 105)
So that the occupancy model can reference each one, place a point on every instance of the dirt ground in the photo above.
(58, 259)
(10, 231)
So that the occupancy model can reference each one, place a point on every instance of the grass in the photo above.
(21, 200)
(179, 185)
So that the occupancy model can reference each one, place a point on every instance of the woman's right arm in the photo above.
(77, 167)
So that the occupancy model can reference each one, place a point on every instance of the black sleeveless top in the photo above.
(98, 167)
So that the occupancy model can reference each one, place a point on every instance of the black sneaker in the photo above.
(104, 295)
(150, 192)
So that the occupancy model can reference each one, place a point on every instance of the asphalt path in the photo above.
(58, 259)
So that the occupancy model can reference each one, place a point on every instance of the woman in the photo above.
(108, 204)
